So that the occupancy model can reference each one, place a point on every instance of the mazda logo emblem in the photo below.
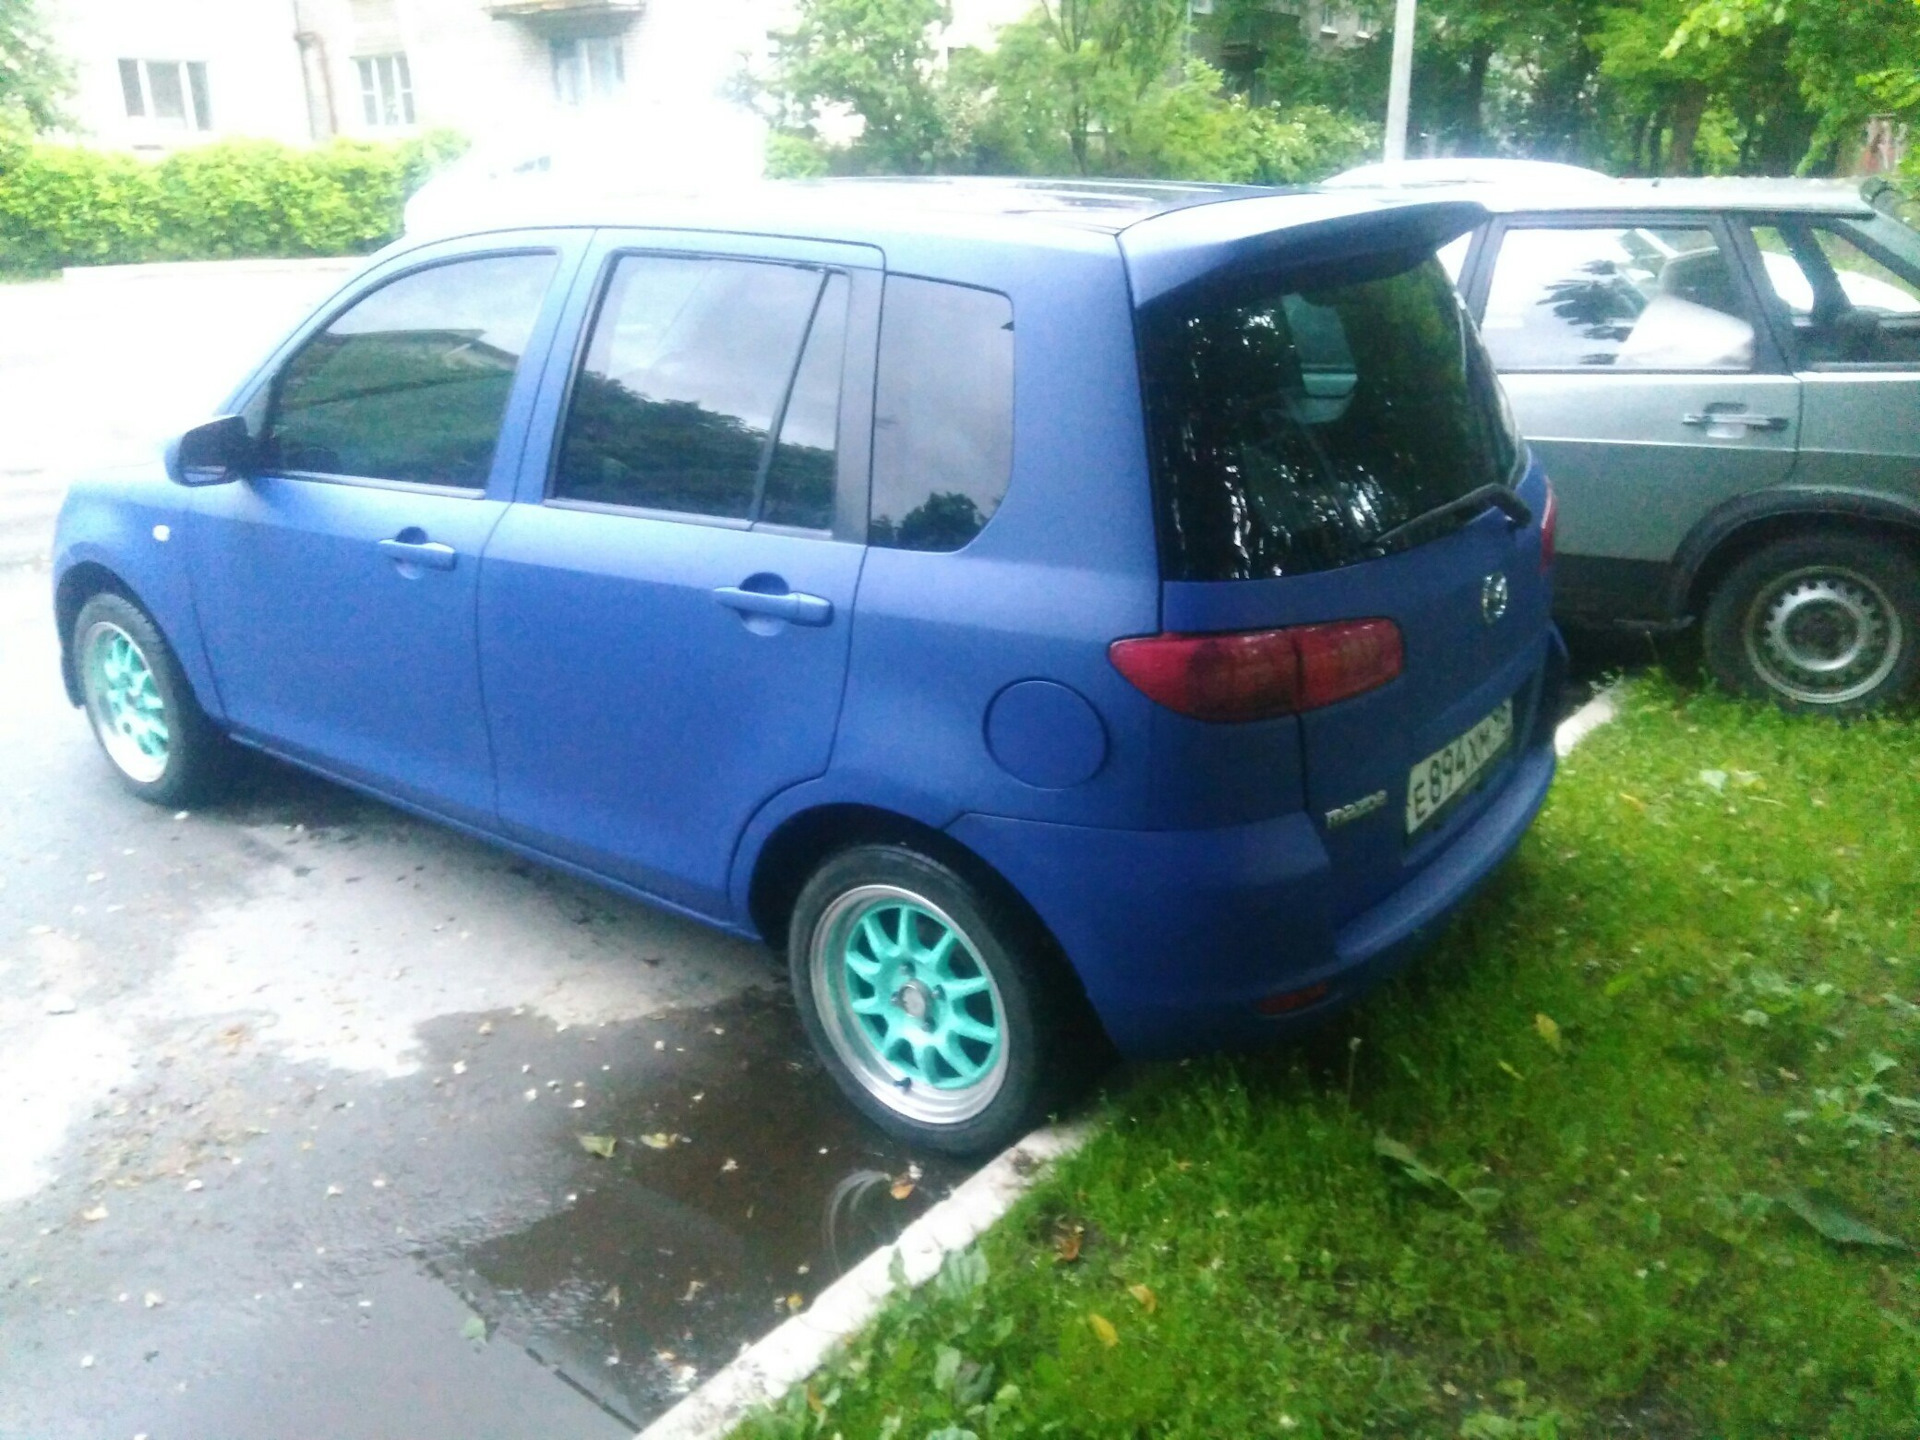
(1493, 598)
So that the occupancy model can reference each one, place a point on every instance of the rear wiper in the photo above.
(1500, 497)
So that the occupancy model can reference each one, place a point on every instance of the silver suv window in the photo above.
(1632, 297)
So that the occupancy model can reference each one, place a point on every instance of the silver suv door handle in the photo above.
(1734, 417)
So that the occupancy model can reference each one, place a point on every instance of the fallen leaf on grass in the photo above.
(1066, 1244)
(1821, 1212)
(601, 1145)
(1549, 1030)
(1103, 1327)
(1149, 1301)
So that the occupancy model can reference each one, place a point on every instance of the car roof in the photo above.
(1827, 197)
(869, 211)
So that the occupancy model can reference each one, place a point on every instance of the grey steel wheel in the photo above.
(1823, 635)
(124, 703)
(909, 1006)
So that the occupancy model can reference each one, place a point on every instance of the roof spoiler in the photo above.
(1286, 233)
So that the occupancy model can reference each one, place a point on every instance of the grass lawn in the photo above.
(1627, 1154)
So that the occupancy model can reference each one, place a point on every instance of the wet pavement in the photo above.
(292, 1098)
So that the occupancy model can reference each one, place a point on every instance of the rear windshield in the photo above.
(1292, 424)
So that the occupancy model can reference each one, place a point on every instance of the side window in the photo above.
(410, 383)
(943, 414)
(1865, 281)
(800, 480)
(1846, 305)
(685, 374)
(1630, 297)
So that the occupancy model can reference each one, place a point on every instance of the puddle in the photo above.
(658, 1264)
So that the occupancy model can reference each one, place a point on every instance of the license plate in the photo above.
(1452, 768)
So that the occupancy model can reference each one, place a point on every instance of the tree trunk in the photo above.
(1473, 133)
(1687, 110)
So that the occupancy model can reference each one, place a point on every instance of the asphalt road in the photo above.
(291, 1090)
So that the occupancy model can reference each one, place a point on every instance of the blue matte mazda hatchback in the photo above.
(1057, 613)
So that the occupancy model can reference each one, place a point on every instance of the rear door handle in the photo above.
(429, 553)
(793, 606)
(1734, 417)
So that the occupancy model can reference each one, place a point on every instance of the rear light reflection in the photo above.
(1260, 674)
(1287, 1001)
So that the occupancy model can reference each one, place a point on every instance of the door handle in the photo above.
(1711, 416)
(793, 606)
(429, 553)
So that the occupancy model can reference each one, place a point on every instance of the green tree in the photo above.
(34, 80)
(1101, 87)
(1836, 51)
(874, 58)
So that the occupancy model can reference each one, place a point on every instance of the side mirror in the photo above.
(211, 454)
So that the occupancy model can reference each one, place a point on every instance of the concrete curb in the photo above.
(766, 1370)
(1587, 719)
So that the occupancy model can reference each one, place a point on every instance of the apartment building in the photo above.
(156, 74)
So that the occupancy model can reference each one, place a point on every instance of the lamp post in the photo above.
(1400, 80)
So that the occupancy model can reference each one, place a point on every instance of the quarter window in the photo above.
(1847, 306)
(386, 90)
(943, 414)
(1630, 297)
(410, 383)
(171, 94)
(683, 384)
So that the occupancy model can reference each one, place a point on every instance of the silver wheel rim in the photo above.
(1823, 635)
(888, 1082)
(124, 703)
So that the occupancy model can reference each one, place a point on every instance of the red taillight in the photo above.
(1258, 674)
(1549, 531)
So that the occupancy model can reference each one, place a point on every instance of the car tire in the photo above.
(1819, 624)
(161, 744)
(938, 1007)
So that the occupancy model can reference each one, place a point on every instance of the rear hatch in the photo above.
(1312, 415)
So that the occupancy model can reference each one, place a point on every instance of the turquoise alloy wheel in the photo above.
(909, 1005)
(124, 702)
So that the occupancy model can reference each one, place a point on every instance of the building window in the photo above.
(386, 89)
(587, 68)
(171, 93)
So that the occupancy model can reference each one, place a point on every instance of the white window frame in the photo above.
(575, 81)
(386, 89)
(194, 117)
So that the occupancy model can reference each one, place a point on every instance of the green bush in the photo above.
(69, 205)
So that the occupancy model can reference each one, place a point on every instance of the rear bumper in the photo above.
(1177, 935)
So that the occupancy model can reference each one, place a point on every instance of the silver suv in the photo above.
(1722, 378)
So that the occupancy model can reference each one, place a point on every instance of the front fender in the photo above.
(125, 530)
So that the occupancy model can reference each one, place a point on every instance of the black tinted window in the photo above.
(1289, 428)
(684, 376)
(410, 383)
(943, 414)
(800, 480)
